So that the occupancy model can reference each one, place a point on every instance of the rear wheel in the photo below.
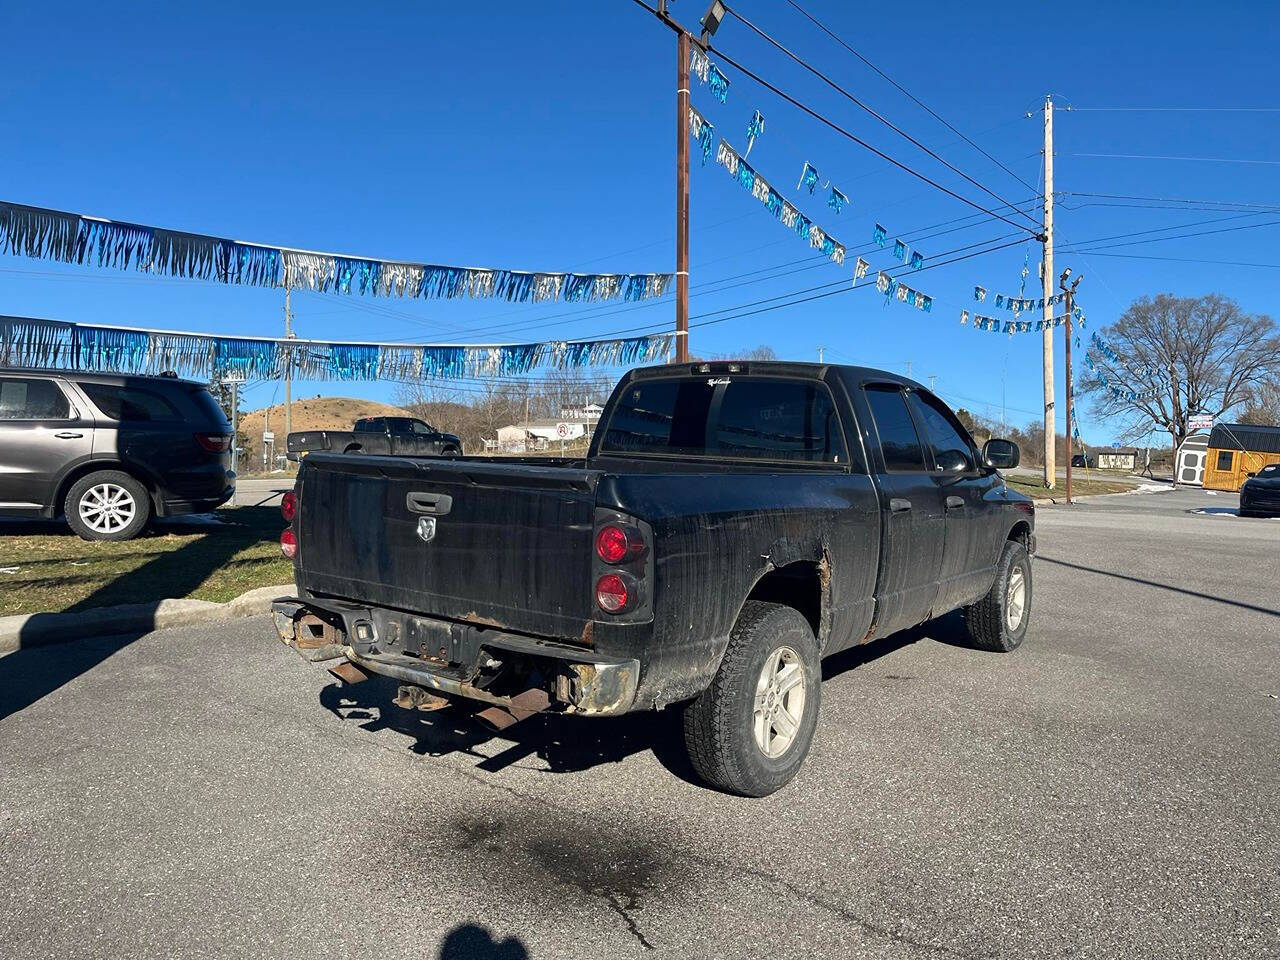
(998, 621)
(108, 505)
(750, 731)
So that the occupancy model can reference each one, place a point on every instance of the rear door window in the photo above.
(129, 403)
(742, 418)
(29, 399)
(899, 442)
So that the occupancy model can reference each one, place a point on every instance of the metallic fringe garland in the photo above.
(69, 238)
(791, 218)
(28, 342)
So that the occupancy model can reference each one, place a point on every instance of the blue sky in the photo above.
(541, 136)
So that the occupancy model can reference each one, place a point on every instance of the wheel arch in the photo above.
(83, 469)
(804, 585)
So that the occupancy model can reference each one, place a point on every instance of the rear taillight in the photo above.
(289, 505)
(612, 594)
(289, 544)
(615, 543)
(214, 442)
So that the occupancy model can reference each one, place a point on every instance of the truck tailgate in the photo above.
(511, 543)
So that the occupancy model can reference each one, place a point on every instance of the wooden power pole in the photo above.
(288, 370)
(1046, 288)
(1070, 299)
(682, 197)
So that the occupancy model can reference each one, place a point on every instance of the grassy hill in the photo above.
(316, 413)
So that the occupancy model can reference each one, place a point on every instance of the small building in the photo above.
(1192, 453)
(1237, 450)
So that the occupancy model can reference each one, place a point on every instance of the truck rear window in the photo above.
(745, 418)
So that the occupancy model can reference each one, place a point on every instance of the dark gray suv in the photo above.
(109, 452)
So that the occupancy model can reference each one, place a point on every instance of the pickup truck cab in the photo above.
(386, 436)
(731, 525)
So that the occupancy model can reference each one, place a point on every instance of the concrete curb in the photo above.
(1062, 501)
(40, 629)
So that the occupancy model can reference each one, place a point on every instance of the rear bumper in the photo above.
(180, 508)
(489, 665)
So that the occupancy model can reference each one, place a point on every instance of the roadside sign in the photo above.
(564, 430)
(1199, 422)
(1115, 446)
(268, 436)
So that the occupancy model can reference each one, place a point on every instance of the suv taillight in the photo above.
(214, 442)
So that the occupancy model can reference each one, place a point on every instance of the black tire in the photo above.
(987, 621)
(87, 512)
(450, 452)
(720, 725)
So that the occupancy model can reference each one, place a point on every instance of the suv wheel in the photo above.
(998, 621)
(108, 505)
(750, 731)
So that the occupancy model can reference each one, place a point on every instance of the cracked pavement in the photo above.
(1108, 790)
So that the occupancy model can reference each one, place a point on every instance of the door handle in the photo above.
(68, 435)
(898, 505)
(954, 502)
(434, 504)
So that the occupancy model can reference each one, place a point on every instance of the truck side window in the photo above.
(952, 451)
(22, 399)
(898, 438)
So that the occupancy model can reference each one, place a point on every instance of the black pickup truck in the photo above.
(384, 436)
(732, 524)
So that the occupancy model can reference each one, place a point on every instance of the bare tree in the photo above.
(1173, 357)
(1262, 405)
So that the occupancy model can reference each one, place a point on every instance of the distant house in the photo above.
(538, 435)
(1237, 450)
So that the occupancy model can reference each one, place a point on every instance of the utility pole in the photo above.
(682, 197)
(933, 379)
(820, 349)
(1046, 287)
(288, 370)
(710, 23)
(235, 425)
(1071, 302)
(908, 369)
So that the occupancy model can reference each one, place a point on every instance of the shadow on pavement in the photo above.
(1160, 586)
(37, 669)
(473, 942)
(564, 743)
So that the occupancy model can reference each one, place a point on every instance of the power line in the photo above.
(1172, 109)
(1121, 196)
(858, 140)
(1143, 156)
(1138, 256)
(1179, 236)
(884, 120)
(825, 29)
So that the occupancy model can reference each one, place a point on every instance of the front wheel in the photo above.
(998, 621)
(750, 731)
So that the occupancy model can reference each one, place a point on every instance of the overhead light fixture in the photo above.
(712, 19)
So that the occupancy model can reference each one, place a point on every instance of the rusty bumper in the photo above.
(576, 680)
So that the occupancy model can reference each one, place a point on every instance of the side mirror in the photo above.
(1001, 454)
(1251, 474)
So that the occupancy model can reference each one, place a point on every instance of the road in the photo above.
(1109, 790)
(261, 492)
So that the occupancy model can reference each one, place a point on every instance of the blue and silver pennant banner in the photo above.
(73, 238)
(791, 218)
(28, 342)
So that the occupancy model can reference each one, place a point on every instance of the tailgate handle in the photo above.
(435, 504)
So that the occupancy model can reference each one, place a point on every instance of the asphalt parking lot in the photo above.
(1108, 790)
